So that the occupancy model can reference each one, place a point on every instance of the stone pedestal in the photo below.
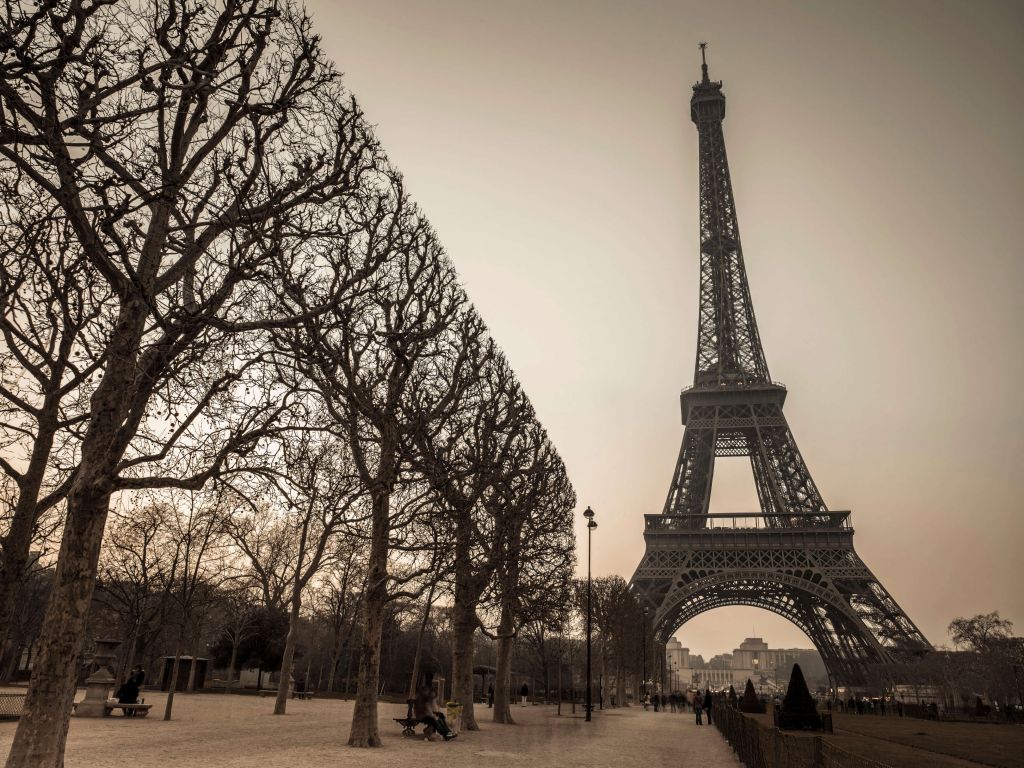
(99, 683)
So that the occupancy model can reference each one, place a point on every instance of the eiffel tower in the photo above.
(795, 557)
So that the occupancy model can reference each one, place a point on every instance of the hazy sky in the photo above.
(879, 175)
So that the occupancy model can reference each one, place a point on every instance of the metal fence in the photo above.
(11, 705)
(759, 746)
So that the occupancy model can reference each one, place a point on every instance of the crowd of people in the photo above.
(677, 701)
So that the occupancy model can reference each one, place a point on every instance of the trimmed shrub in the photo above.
(798, 710)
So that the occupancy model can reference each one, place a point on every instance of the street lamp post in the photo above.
(643, 665)
(591, 525)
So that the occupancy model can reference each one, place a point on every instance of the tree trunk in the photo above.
(234, 660)
(191, 685)
(288, 658)
(602, 678)
(17, 544)
(503, 669)
(335, 661)
(558, 664)
(175, 668)
(348, 674)
(331, 670)
(12, 663)
(42, 730)
(414, 678)
(365, 731)
(464, 624)
(620, 686)
(128, 658)
(13, 564)
(351, 646)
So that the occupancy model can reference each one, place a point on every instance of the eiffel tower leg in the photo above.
(778, 466)
(819, 629)
(767, 493)
(690, 493)
(882, 615)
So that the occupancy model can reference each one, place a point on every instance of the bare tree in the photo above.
(264, 543)
(238, 600)
(980, 632)
(464, 455)
(367, 357)
(195, 575)
(336, 602)
(532, 581)
(51, 322)
(323, 496)
(191, 150)
(134, 579)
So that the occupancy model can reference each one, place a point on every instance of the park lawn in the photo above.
(896, 755)
(986, 743)
(897, 741)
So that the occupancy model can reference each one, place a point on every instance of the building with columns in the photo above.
(768, 668)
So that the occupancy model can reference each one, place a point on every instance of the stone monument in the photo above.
(99, 683)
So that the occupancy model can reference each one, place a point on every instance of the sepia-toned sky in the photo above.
(877, 159)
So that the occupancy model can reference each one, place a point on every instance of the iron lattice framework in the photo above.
(795, 557)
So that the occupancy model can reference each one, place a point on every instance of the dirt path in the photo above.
(239, 731)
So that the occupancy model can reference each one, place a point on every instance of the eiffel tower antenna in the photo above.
(794, 556)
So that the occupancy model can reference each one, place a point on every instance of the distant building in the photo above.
(768, 668)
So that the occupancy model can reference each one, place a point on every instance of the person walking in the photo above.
(707, 704)
(524, 692)
(697, 708)
(490, 695)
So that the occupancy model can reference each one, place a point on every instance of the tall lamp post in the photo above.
(643, 663)
(591, 525)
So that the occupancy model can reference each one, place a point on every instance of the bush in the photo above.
(798, 709)
(750, 702)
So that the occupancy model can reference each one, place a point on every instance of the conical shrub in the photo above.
(750, 702)
(798, 710)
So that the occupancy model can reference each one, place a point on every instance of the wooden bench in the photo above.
(304, 695)
(409, 724)
(140, 709)
(267, 691)
(409, 727)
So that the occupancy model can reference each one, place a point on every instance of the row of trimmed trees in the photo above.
(223, 314)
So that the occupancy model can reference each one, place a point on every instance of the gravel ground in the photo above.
(229, 731)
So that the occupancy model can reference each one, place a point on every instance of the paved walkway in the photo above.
(239, 731)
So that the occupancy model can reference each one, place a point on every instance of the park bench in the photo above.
(409, 724)
(267, 691)
(305, 695)
(141, 710)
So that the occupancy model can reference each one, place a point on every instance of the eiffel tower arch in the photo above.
(794, 556)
